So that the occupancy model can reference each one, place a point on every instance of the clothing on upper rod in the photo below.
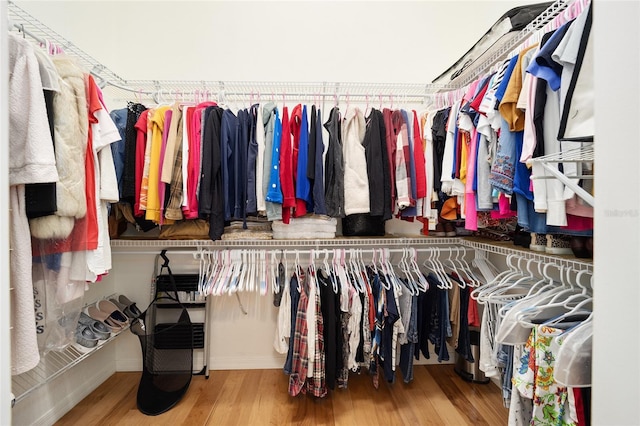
(336, 173)
(486, 143)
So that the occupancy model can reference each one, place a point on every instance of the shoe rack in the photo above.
(52, 365)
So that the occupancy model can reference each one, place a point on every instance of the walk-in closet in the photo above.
(306, 212)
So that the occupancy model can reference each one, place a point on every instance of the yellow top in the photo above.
(508, 108)
(153, 196)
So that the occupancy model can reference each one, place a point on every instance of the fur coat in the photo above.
(70, 130)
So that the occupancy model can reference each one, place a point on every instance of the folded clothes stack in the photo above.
(308, 227)
(256, 229)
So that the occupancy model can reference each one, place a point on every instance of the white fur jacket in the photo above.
(356, 181)
(70, 135)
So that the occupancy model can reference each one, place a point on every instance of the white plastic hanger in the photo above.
(507, 290)
(244, 270)
(429, 264)
(297, 269)
(584, 308)
(404, 267)
(423, 284)
(481, 293)
(586, 292)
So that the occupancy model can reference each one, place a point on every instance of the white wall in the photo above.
(5, 348)
(616, 376)
(390, 41)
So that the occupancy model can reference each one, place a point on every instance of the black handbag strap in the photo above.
(172, 293)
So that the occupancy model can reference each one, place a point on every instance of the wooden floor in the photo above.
(437, 396)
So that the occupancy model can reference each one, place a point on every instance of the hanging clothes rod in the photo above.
(256, 91)
(196, 253)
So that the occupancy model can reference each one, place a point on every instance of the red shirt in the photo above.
(194, 117)
(300, 208)
(141, 144)
(418, 158)
(93, 100)
(286, 168)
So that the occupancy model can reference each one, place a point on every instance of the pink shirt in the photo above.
(195, 148)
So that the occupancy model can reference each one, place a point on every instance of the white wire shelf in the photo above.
(476, 70)
(51, 366)
(315, 243)
(230, 92)
(32, 27)
(504, 248)
(583, 154)
(507, 248)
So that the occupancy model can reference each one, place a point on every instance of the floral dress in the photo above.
(550, 399)
(533, 378)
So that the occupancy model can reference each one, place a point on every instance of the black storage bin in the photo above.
(363, 225)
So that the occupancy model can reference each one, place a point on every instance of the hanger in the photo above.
(236, 256)
(532, 297)
(585, 293)
(435, 268)
(481, 293)
(244, 266)
(515, 282)
(533, 315)
(224, 273)
(441, 270)
(414, 273)
(454, 269)
(387, 277)
(213, 259)
(402, 265)
(251, 274)
(574, 315)
(297, 270)
(355, 272)
(460, 253)
(312, 262)
(422, 283)
(262, 272)
(363, 271)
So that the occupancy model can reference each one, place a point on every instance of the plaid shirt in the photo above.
(317, 384)
(300, 350)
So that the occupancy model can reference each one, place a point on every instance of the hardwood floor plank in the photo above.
(447, 410)
(109, 395)
(457, 397)
(224, 411)
(481, 396)
(436, 396)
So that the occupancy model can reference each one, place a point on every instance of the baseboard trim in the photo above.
(66, 403)
(246, 363)
(218, 363)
